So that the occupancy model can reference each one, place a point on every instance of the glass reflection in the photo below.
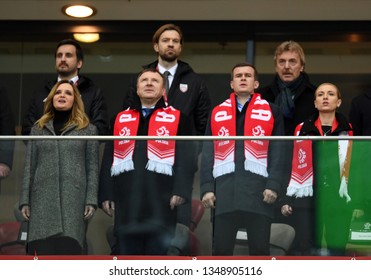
(101, 240)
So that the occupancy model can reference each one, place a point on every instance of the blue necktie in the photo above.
(146, 111)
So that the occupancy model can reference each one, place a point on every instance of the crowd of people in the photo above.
(317, 187)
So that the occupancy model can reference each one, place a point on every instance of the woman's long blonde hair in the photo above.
(77, 117)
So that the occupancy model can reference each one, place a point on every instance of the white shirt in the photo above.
(74, 79)
(172, 71)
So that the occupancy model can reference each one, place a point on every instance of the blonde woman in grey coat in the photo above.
(59, 191)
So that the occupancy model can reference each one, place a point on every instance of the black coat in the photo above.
(192, 99)
(7, 127)
(360, 114)
(142, 197)
(92, 96)
(309, 129)
(304, 102)
(195, 102)
(243, 190)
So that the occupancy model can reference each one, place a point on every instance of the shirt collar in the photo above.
(172, 70)
(239, 105)
(152, 107)
(74, 79)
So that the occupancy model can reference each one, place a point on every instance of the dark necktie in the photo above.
(167, 85)
(146, 111)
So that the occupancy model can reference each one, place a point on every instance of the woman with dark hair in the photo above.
(59, 191)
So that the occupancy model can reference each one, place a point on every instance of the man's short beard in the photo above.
(64, 73)
(169, 58)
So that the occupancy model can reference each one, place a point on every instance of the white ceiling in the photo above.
(193, 9)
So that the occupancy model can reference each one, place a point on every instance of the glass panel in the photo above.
(338, 224)
(139, 188)
(332, 213)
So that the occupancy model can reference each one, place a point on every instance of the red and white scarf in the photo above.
(301, 182)
(259, 121)
(160, 153)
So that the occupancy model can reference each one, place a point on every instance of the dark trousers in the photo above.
(145, 244)
(54, 246)
(302, 220)
(258, 228)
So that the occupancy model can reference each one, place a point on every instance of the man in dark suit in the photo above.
(187, 92)
(145, 182)
(293, 92)
(69, 59)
